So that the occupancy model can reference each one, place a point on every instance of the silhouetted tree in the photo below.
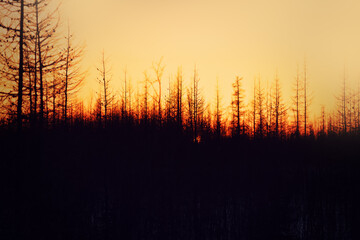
(158, 69)
(297, 102)
(55, 87)
(307, 100)
(269, 108)
(357, 112)
(323, 122)
(179, 97)
(218, 112)
(12, 21)
(343, 106)
(237, 105)
(48, 54)
(73, 75)
(196, 106)
(145, 101)
(105, 80)
(125, 97)
(253, 106)
(260, 110)
(279, 112)
(171, 100)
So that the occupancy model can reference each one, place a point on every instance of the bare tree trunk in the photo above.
(254, 110)
(67, 77)
(260, 111)
(125, 98)
(159, 70)
(145, 103)
(237, 104)
(297, 132)
(30, 91)
(195, 106)
(358, 110)
(46, 103)
(35, 82)
(344, 106)
(277, 105)
(323, 120)
(218, 111)
(129, 97)
(40, 65)
(21, 68)
(179, 89)
(105, 89)
(54, 99)
(238, 107)
(305, 101)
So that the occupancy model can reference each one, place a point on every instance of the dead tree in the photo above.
(279, 108)
(158, 69)
(124, 97)
(237, 105)
(12, 22)
(179, 97)
(306, 100)
(343, 105)
(56, 89)
(145, 100)
(218, 112)
(254, 105)
(323, 121)
(195, 106)
(73, 76)
(105, 80)
(170, 103)
(48, 53)
(296, 99)
(260, 110)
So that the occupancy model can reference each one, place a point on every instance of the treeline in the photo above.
(41, 74)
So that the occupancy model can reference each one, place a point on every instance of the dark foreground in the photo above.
(117, 185)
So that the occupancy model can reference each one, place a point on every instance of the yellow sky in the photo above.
(224, 38)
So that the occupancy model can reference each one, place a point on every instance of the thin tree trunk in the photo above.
(67, 77)
(297, 104)
(254, 119)
(21, 68)
(105, 90)
(35, 82)
(40, 66)
(195, 107)
(305, 101)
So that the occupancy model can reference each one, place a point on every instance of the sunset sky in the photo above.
(224, 39)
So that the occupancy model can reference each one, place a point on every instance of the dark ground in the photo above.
(117, 185)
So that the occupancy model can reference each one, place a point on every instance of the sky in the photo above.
(224, 39)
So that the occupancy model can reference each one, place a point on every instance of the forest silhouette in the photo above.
(160, 163)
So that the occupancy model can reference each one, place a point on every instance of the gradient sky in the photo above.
(224, 38)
